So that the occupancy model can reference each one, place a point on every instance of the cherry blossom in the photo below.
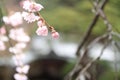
(26, 4)
(14, 20)
(6, 20)
(3, 38)
(15, 50)
(42, 31)
(21, 45)
(18, 59)
(55, 35)
(20, 77)
(23, 69)
(31, 6)
(30, 17)
(34, 7)
(2, 46)
(2, 30)
(40, 23)
(18, 62)
(19, 35)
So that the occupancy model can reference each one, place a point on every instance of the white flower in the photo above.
(20, 45)
(20, 77)
(4, 38)
(26, 5)
(15, 50)
(2, 46)
(30, 17)
(24, 69)
(32, 6)
(6, 20)
(14, 20)
(19, 35)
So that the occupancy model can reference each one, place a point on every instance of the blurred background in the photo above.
(52, 59)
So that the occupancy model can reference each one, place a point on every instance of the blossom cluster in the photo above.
(32, 14)
(14, 19)
(17, 34)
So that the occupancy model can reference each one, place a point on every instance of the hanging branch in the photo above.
(85, 38)
(91, 62)
(78, 65)
(90, 28)
(111, 33)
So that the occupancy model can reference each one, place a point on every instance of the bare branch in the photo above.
(91, 62)
(78, 66)
(91, 26)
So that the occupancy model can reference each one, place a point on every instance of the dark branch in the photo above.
(92, 25)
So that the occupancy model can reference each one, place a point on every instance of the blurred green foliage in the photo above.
(74, 16)
(1, 15)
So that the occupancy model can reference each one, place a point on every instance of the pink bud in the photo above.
(42, 31)
(55, 35)
(2, 30)
(40, 23)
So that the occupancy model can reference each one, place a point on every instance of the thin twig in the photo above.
(115, 60)
(92, 25)
(115, 34)
(78, 67)
(91, 62)
(102, 14)
(109, 27)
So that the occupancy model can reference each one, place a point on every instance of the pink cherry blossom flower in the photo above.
(4, 38)
(55, 35)
(30, 17)
(2, 46)
(20, 45)
(42, 31)
(6, 20)
(15, 50)
(18, 76)
(14, 20)
(35, 7)
(19, 35)
(40, 23)
(18, 59)
(2, 30)
(24, 69)
(31, 6)
(18, 62)
(26, 4)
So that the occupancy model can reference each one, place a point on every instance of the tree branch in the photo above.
(90, 28)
